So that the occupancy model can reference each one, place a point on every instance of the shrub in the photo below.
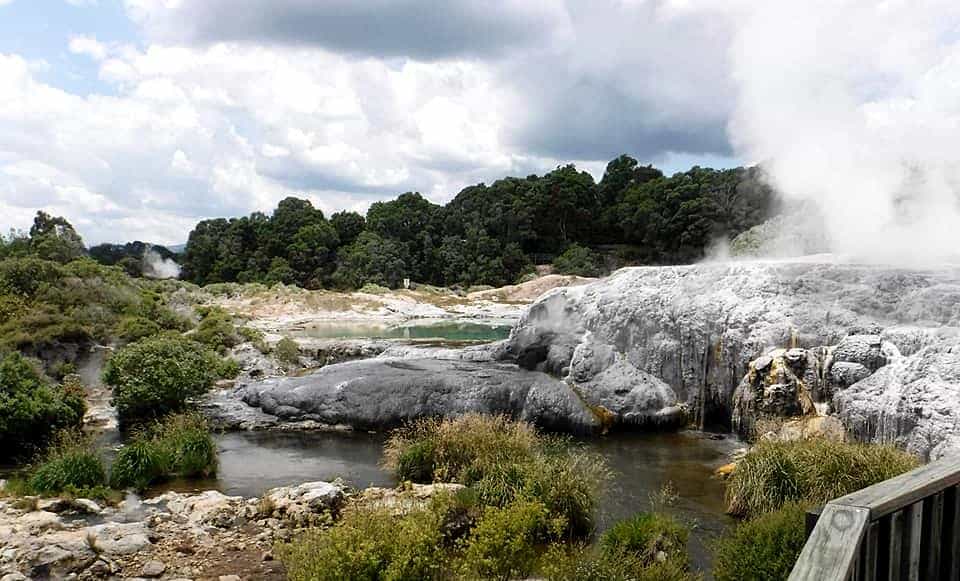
(288, 351)
(813, 470)
(503, 545)
(562, 563)
(503, 461)
(180, 446)
(31, 409)
(645, 535)
(580, 261)
(216, 330)
(255, 337)
(372, 544)
(156, 376)
(132, 329)
(70, 465)
(762, 549)
(463, 449)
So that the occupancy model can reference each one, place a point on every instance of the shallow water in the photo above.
(253, 462)
(446, 330)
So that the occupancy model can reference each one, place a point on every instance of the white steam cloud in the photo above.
(155, 266)
(854, 105)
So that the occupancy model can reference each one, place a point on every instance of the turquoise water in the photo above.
(439, 331)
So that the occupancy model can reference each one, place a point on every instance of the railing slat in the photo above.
(832, 550)
(868, 553)
(892, 541)
(950, 568)
(930, 543)
(913, 521)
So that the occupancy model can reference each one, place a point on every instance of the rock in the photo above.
(697, 328)
(210, 507)
(405, 498)
(387, 392)
(14, 577)
(119, 538)
(303, 500)
(782, 383)
(913, 402)
(725, 471)
(86, 506)
(229, 578)
(38, 521)
(153, 568)
(822, 427)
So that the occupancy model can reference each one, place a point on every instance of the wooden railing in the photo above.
(906, 528)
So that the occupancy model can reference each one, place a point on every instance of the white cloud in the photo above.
(88, 46)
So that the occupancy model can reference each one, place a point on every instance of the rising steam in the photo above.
(155, 266)
(854, 105)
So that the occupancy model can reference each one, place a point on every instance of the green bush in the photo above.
(132, 329)
(255, 337)
(156, 376)
(762, 549)
(580, 261)
(645, 535)
(288, 351)
(462, 449)
(813, 470)
(503, 545)
(372, 544)
(31, 409)
(503, 461)
(70, 465)
(561, 563)
(217, 330)
(179, 446)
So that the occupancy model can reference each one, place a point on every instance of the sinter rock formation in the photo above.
(666, 344)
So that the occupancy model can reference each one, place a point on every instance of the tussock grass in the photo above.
(503, 461)
(764, 548)
(180, 445)
(71, 464)
(812, 471)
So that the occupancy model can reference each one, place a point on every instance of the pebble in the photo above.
(153, 569)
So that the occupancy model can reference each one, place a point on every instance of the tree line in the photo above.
(488, 234)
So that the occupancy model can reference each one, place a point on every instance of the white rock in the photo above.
(119, 538)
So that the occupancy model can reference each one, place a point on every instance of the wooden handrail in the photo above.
(907, 527)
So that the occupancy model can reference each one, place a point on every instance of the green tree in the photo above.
(371, 259)
(348, 225)
(53, 238)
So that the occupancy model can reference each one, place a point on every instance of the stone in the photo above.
(820, 427)
(40, 520)
(210, 507)
(782, 384)
(912, 402)
(388, 392)
(153, 568)
(405, 498)
(14, 577)
(87, 506)
(119, 538)
(304, 499)
(229, 578)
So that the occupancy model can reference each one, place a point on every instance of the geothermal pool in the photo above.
(418, 330)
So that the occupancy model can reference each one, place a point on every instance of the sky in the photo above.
(135, 119)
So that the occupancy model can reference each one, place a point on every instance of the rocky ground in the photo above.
(205, 536)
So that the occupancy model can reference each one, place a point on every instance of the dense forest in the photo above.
(488, 234)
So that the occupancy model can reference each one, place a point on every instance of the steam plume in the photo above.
(854, 105)
(155, 266)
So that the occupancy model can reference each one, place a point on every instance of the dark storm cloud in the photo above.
(420, 29)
